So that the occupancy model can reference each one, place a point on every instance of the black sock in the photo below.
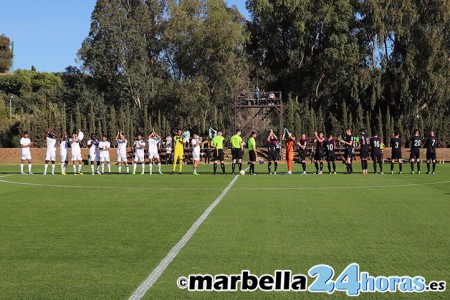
(365, 165)
(434, 166)
(240, 167)
(215, 168)
(412, 166)
(321, 166)
(232, 167)
(276, 166)
(334, 167)
(222, 165)
(428, 167)
(381, 165)
(418, 166)
(304, 166)
(317, 166)
(268, 167)
(375, 166)
(329, 167)
(350, 166)
(392, 167)
(400, 165)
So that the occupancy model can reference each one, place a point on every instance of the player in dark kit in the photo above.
(330, 146)
(318, 155)
(272, 149)
(364, 153)
(415, 141)
(431, 145)
(348, 154)
(302, 151)
(375, 145)
(396, 144)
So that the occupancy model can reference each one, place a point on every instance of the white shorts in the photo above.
(196, 155)
(50, 155)
(121, 157)
(153, 155)
(94, 157)
(168, 150)
(76, 156)
(25, 156)
(104, 157)
(63, 157)
(139, 157)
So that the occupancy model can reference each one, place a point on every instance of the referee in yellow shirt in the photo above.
(236, 150)
(178, 154)
(217, 143)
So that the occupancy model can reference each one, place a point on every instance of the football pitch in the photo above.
(99, 237)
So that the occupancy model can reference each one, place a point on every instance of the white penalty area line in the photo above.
(345, 187)
(156, 273)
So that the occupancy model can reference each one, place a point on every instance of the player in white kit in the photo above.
(25, 144)
(122, 152)
(104, 147)
(196, 142)
(63, 152)
(154, 141)
(139, 155)
(75, 142)
(94, 155)
(51, 151)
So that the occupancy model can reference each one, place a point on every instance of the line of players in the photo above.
(324, 150)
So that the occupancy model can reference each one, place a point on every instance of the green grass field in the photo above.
(99, 237)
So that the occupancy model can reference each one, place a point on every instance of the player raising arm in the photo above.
(290, 140)
(63, 152)
(76, 152)
(318, 156)
(431, 145)
(94, 155)
(122, 152)
(396, 144)
(272, 147)
(330, 146)
(217, 144)
(154, 140)
(196, 141)
(178, 154)
(364, 153)
(25, 144)
(51, 151)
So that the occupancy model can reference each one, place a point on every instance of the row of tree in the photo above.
(169, 64)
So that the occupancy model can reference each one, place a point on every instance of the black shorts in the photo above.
(431, 155)
(331, 158)
(318, 155)
(236, 153)
(302, 155)
(218, 154)
(252, 155)
(348, 153)
(396, 155)
(414, 155)
(376, 157)
(273, 156)
(364, 153)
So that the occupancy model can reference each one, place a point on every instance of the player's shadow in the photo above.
(9, 173)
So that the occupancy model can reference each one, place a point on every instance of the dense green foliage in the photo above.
(169, 64)
(6, 54)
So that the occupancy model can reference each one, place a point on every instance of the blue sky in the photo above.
(48, 33)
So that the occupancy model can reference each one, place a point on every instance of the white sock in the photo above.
(109, 168)
(92, 168)
(120, 169)
(128, 168)
(103, 168)
(79, 168)
(45, 168)
(134, 167)
(29, 168)
(159, 167)
(62, 167)
(21, 167)
(74, 168)
(53, 168)
(143, 167)
(151, 168)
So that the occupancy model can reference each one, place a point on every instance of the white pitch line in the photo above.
(156, 273)
(344, 187)
(101, 187)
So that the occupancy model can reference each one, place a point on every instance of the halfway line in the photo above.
(154, 275)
